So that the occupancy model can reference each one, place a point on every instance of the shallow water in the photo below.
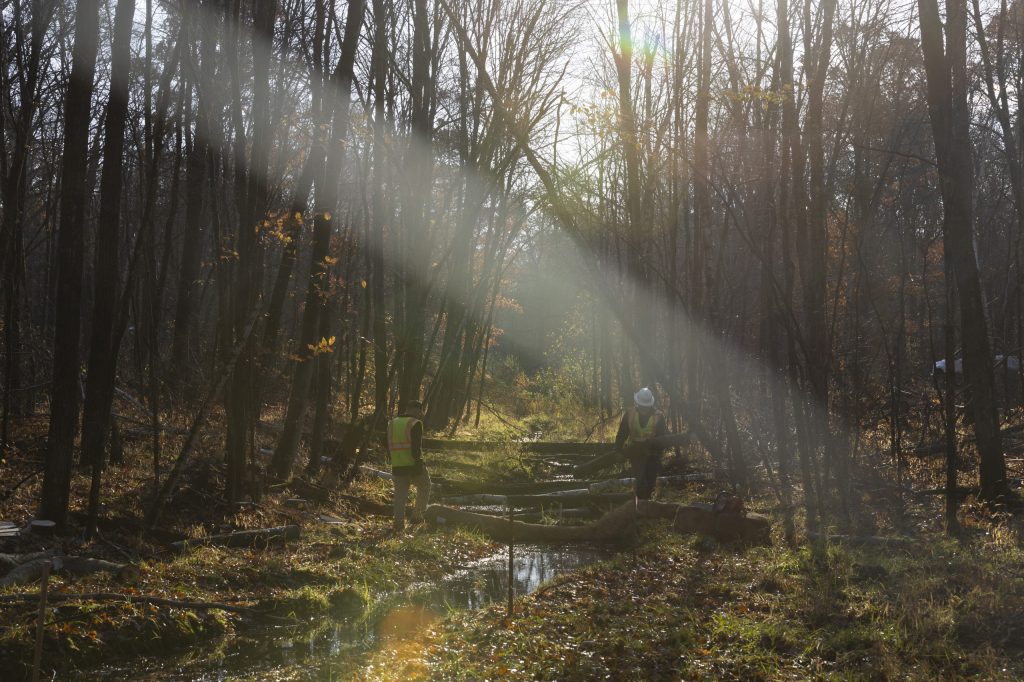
(327, 649)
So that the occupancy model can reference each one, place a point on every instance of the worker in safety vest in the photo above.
(639, 424)
(405, 449)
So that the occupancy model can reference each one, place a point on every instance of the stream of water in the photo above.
(325, 650)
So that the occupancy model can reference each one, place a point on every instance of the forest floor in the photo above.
(345, 561)
(667, 607)
(691, 609)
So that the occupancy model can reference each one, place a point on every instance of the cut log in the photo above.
(600, 486)
(44, 528)
(11, 561)
(554, 513)
(308, 490)
(80, 565)
(32, 569)
(614, 526)
(447, 487)
(604, 461)
(368, 507)
(581, 497)
(243, 538)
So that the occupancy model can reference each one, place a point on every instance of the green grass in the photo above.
(337, 571)
(689, 609)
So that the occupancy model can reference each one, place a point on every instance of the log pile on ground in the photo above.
(616, 525)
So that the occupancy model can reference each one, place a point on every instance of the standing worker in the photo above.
(405, 449)
(639, 424)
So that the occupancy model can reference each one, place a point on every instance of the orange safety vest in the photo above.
(400, 441)
(637, 433)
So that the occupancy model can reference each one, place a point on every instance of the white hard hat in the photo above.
(644, 397)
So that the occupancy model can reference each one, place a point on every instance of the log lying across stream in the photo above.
(614, 526)
(584, 498)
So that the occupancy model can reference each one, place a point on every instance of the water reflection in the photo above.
(396, 626)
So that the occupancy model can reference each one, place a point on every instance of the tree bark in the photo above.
(70, 253)
(946, 71)
(318, 289)
(99, 390)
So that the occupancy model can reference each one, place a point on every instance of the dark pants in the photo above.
(646, 468)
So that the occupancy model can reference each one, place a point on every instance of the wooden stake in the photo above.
(38, 658)
(511, 562)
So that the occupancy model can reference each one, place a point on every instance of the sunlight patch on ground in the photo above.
(402, 652)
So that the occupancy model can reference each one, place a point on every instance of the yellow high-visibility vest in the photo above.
(637, 433)
(400, 441)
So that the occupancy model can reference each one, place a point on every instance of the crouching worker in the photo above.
(639, 424)
(405, 449)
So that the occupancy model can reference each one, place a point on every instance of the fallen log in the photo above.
(534, 516)
(469, 488)
(871, 540)
(614, 526)
(33, 569)
(11, 561)
(368, 507)
(611, 483)
(308, 490)
(243, 538)
(584, 497)
(604, 461)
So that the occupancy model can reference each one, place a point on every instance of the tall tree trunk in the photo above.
(631, 154)
(99, 393)
(318, 289)
(99, 389)
(793, 220)
(381, 215)
(70, 254)
(197, 17)
(15, 187)
(946, 71)
(416, 209)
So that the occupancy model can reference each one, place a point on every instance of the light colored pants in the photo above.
(402, 482)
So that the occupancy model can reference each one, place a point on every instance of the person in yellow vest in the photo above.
(641, 423)
(405, 449)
